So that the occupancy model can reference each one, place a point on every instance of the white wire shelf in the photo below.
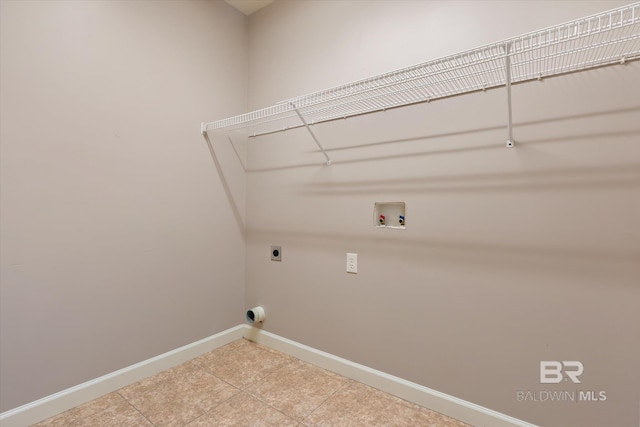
(602, 39)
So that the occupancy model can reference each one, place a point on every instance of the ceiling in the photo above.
(249, 6)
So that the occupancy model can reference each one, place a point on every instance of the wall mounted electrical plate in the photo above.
(276, 253)
(352, 263)
(389, 215)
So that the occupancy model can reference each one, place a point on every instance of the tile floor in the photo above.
(246, 384)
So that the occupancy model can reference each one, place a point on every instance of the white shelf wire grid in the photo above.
(602, 39)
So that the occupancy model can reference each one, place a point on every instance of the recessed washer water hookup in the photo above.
(389, 215)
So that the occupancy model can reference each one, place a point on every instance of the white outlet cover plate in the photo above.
(352, 263)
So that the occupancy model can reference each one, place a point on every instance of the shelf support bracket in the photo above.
(223, 180)
(328, 163)
(235, 150)
(507, 62)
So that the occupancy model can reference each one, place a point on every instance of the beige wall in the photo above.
(118, 242)
(510, 256)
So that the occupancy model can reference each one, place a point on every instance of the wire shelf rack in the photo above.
(603, 39)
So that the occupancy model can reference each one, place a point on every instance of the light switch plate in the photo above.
(352, 263)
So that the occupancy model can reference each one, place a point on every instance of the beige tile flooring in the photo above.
(246, 384)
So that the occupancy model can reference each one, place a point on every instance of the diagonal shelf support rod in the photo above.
(507, 65)
(312, 134)
(235, 150)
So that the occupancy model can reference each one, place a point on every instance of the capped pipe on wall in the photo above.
(255, 315)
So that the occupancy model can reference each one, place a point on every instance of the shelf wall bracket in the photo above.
(507, 64)
(328, 163)
(235, 150)
(223, 180)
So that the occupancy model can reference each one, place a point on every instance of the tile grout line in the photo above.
(241, 390)
(200, 368)
(272, 372)
(270, 406)
(245, 389)
(217, 377)
(134, 407)
(343, 385)
(293, 359)
(214, 407)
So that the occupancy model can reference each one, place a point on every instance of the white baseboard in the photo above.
(64, 400)
(462, 410)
